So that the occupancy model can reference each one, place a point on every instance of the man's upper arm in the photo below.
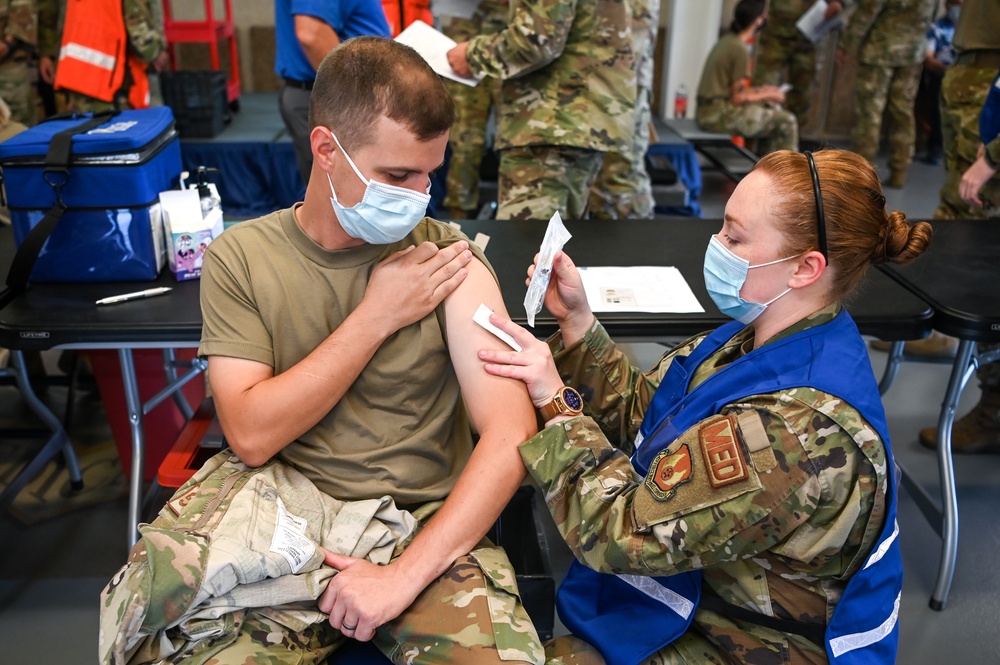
(491, 400)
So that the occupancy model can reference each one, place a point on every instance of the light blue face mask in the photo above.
(385, 214)
(725, 274)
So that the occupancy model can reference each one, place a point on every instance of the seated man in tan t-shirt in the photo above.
(340, 340)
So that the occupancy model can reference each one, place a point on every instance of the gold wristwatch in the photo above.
(566, 402)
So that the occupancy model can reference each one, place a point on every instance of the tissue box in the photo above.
(187, 232)
(111, 230)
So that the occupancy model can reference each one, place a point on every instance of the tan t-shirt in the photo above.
(726, 64)
(271, 294)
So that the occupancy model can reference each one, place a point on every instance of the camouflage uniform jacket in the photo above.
(232, 538)
(568, 71)
(784, 546)
(889, 32)
(19, 21)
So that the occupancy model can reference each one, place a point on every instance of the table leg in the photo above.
(170, 367)
(960, 374)
(134, 405)
(891, 367)
(59, 441)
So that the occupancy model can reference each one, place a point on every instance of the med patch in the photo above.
(724, 460)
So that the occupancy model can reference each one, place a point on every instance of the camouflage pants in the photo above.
(536, 181)
(623, 189)
(787, 59)
(880, 89)
(772, 126)
(16, 89)
(84, 104)
(691, 648)
(468, 134)
(452, 621)
(963, 93)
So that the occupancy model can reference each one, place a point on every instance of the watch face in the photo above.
(572, 399)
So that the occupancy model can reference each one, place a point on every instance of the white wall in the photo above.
(691, 29)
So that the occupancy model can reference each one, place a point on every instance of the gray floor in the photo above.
(51, 575)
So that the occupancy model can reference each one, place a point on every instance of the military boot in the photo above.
(897, 179)
(978, 431)
(937, 345)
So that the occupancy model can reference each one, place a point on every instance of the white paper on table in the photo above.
(812, 25)
(433, 45)
(654, 289)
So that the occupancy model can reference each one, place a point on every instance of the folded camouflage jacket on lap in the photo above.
(233, 538)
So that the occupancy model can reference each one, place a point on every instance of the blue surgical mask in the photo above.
(385, 214)
(725, 274)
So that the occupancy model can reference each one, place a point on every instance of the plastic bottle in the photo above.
(681, 102)
(209, 198)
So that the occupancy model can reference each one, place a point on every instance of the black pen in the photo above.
(136, 295)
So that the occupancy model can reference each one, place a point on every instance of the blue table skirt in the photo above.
(254, 178)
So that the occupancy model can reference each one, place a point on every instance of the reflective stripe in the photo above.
(883, 546)
(88, 55)
(844, 643)
(657, 591)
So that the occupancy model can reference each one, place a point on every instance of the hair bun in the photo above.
(903, 242)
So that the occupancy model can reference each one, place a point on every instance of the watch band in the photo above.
(558, 404)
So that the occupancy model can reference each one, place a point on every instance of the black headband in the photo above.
(820, 217)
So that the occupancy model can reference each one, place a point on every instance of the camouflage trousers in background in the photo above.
(536, 181)
(468, 141)
(963, 93)
(881, 88)
(472, 114)
(84, 104)
(623, 189)
(774, 127)
(787, 58)
(17, 90)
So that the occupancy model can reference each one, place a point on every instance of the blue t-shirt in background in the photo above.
(348, 18)
(989, 118)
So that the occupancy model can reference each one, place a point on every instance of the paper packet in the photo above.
(555, 238)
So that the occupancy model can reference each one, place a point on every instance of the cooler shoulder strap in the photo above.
(56, 174)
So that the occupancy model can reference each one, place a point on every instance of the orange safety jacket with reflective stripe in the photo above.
(94, 55)
(401, 13)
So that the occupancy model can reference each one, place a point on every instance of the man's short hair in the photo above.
(367, 77)
(745, 13)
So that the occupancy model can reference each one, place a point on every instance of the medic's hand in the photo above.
(533, 364)
(408, 285)
(565, 298)
(458, 61)
(364, 596)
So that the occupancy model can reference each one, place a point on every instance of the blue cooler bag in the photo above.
(83, 193)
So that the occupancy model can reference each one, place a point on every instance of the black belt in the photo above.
(301, 85)
(985, 58)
